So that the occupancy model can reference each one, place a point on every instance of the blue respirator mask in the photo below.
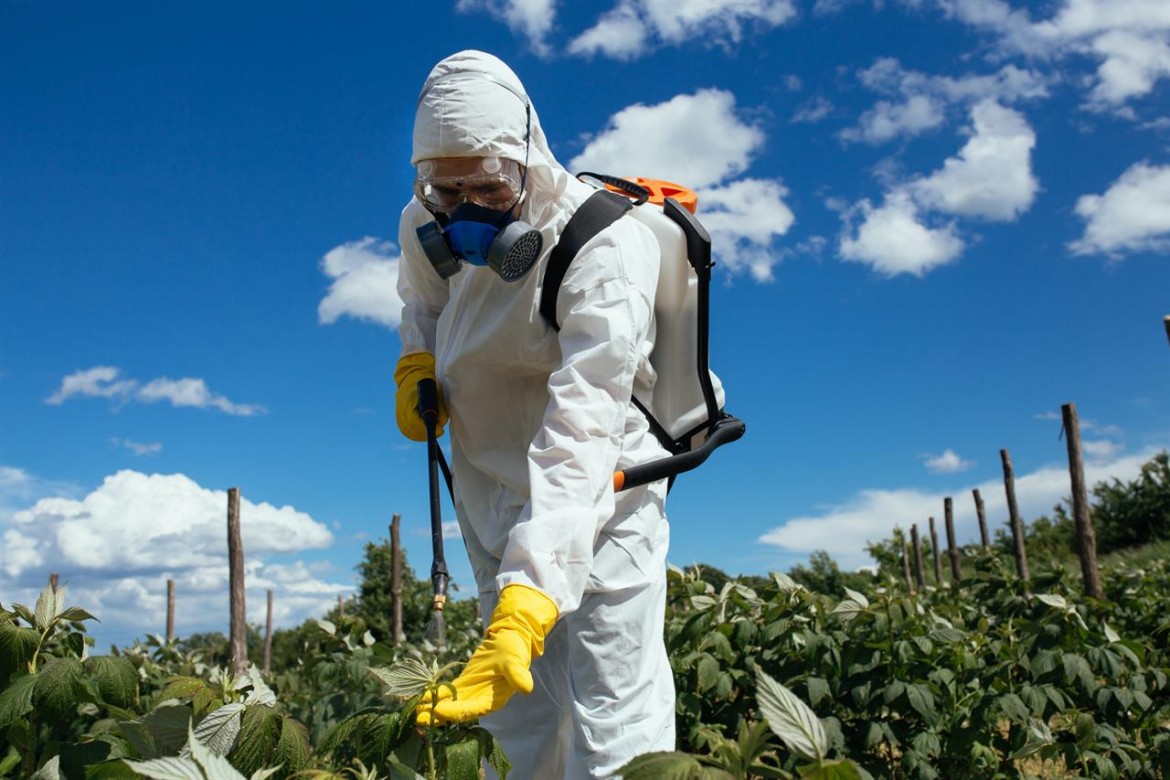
(480, 235)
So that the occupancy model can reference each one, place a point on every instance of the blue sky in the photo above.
(935, 223)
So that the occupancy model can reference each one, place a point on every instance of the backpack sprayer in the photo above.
(690, 422)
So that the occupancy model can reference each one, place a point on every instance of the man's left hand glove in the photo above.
(500, 665)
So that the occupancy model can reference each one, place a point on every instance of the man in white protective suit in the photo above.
(571, 576)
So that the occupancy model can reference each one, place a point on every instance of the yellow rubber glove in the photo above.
(500, 665)
(410, 369)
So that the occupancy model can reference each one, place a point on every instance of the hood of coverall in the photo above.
(473, 105)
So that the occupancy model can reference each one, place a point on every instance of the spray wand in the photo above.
(428, 410)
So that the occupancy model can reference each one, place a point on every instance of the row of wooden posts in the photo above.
(1083, 522)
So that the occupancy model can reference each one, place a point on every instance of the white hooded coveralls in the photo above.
(539, 422)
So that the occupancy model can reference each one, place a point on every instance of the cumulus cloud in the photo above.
(531, 19)
(106, 382)
(920, 101)
(1132, 216)
(991, 177)
(870, 516)
(947, 463)
(138, 448)
(365, 283)
(893, 239)
(1128, 39)
(743, 218)
(117, 546)
(633, 28)
(699, 141)
(813, 111)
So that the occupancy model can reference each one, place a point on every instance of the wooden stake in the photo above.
(340, 606)
(1017, 525)
(979, 511)
(268, 638)
(952, 548)
(919, 568)
(238, 637)
(1166, 322)
(396, 581)
(906, 567)
(53, 581)
(934, 552)
(1086, 538)
(170, 611)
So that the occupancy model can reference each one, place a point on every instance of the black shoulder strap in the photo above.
(601, 210)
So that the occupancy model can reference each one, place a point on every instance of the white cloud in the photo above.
(886, 120)
(947, 463)
(619, 34)
(532, 19)
(893, 240)
(871, 515)
(695, 140)
(138, 448)
(96, 382)
(119, 544)
(921, 100)
(633, 28)
(104, 382)
(992, 176)
(743, 218)
(813, 111)
(365, 283)
(1129, 39)
(1132, 216)
(1100, 450)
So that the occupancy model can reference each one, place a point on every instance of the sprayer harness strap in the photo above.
(601, 210)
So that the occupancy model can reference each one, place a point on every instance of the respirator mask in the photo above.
(474, 200)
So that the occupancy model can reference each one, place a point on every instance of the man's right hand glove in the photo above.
(500, 665)
(410, 369)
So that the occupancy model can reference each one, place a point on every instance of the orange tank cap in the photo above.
(661, 190)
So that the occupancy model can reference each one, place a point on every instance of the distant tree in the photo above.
(887, 554)
(824, 576)
(1130, 514)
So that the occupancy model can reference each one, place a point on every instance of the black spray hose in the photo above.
(428, 410)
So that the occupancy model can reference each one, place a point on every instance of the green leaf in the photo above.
(59, 687)
(707, 672)
(115, 769)
(258, 739)
(16, 700)
(74, 614)
(170, 768)
(1013, 708)
(116, 679)
(215, 766)
(818, 689)
(218, 730)
(294, 751)
(1053, 600)
(75, 756)
(922, 700)
(463, 760)
(831, 770)
(791, 719)
(666, 766)
(409, 677)
(168, 725)
(46, 609)
(17, 645)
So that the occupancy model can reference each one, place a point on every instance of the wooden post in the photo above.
(53, 581)
(934, 552)
(238, 637)
(1166, 322)
(1086, 538)
(919, 568)
(1017, 525)
(979, 511)
(340, 606)
(396, 582)
(952, 547)
(906, 567)
(268, 638)
(170, 611)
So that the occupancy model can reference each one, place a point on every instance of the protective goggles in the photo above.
(492, 182)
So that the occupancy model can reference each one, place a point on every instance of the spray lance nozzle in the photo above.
(428, 410)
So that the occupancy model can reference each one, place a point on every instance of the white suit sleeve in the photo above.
(605, 307)
(423, 292)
